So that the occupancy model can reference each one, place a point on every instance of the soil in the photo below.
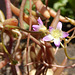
(60, 56)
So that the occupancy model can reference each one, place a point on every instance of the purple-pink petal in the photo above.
(47, 38)
(57, 42)
(35, 27)
(64, 34)
(50, 28)
(59, 25)
(40, 21)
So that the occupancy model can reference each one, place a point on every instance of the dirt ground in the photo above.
(60, 56)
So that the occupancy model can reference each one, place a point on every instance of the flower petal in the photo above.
(35, 27)
(64, 34)
(48, 38)
(50, 28)
(57, 42)
(40, 21)
(59, 25)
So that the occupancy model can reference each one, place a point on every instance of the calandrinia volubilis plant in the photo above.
(54, 34)
(39, 27)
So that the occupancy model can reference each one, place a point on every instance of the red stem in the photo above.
(21, 13)
(71, 30)
(10, 42)
(46, 2)
(13, 70)
(30, 22)
(3, 63)
(8, 9)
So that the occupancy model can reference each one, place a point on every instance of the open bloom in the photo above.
(56, 34)
(39, 27)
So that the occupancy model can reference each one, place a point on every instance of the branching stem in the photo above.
(65, 50)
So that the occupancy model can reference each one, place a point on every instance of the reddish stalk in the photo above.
(30, 23)
(9, 48)
(18, 41)
(71, 30)
(3, 63)
(18, 70)
(9, 58)
(21, 13)
(53, 65)
(46, 2)
(32, 38)
(13, 69)
(8, 9)
(1, 54)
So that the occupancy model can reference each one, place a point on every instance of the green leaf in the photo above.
(60, 3)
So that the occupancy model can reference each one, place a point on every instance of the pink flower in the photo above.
(56, 34)
(39, 27)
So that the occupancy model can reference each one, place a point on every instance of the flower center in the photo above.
(56, 33)
(42, 28)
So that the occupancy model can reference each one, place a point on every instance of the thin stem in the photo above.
(10, 58)
(71, 30)
(32, 38)
(65, 50)
(18, 70)
(46, 2)
(21, 13)
(3, 43)
(18, 41)
(47, 65)
(13, 68)
(8, 9)
(46, 22)
(40, 71)
(6, 51)
(9, 48)
(3, 63)
(72, 36)
(15, 27)
(29, 35)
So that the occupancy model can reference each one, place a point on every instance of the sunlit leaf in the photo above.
(60, 3)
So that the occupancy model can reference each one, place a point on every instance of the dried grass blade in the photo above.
(55, 20)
